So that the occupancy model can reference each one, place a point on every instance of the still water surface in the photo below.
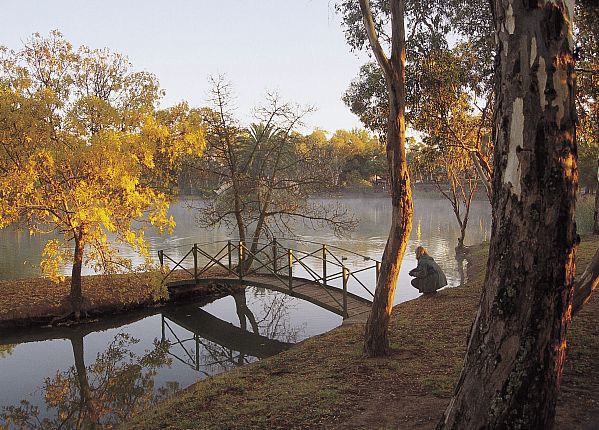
(109, 371)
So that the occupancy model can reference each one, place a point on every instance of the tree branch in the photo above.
(373, 39)
(585, 285)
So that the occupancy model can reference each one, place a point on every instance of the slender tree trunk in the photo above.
(460, 247)
(76, 292)
(517, 345)
(596, 212)
(586, 284)
(256, 236)
(244, 313)
(87, 408)
(484, 173)
(376, 342)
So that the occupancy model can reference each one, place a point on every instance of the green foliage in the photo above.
(356, 158)
(448, 75)
(367, 98)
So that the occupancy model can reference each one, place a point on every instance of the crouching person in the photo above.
(428, 275)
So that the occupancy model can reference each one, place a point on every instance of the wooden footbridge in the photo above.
(333, 278)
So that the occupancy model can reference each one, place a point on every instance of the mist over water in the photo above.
(434, 227)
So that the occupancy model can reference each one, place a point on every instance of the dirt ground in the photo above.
(38, 301)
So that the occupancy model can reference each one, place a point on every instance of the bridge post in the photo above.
(324, 264)
(290, 255)
(229, 250)
(274, 255)
(195, 262)
(240, 266)
(378, 271)
(197, 339)
(345, 280)
(161, 258)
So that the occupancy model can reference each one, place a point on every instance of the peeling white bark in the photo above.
(569, 5)
(510, 21)
(533, 50)
(512, 170)
(503, 37)
(542, 79)
(560, 86)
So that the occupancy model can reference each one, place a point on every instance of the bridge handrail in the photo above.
(278, 239)
(291, 255)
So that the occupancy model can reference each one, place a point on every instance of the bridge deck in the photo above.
(328, 297)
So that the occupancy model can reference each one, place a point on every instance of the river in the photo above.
(118, 367)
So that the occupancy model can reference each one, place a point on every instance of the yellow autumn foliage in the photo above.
(84, 151)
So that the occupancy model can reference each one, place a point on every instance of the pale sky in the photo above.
(295, 47)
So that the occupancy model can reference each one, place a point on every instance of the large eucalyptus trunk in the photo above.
(376, 342)
(517, 345)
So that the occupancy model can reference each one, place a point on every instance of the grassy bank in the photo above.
(38, 301)
(325, 382)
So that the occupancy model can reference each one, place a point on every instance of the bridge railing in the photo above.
(287, 261)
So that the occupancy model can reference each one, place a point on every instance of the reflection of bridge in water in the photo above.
(205, 327)
(330, 277)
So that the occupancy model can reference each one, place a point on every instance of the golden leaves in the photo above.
(52, 261)
(83, 150)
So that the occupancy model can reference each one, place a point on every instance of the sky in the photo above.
(294, 47)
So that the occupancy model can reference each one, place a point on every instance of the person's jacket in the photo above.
(430, 273)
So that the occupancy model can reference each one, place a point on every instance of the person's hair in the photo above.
(420, 251)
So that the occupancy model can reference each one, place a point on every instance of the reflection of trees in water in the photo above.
(6, 350)
(460, 258)
(274, 322)
(118, 385)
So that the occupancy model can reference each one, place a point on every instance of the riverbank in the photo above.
(325, 382)
(38, 301)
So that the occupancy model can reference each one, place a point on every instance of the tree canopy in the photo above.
(84, 153)
(265, 172)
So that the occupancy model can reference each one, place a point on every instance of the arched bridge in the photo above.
(331, 277)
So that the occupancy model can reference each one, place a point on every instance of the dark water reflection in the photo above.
(82, 378)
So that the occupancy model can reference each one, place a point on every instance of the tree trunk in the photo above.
(256, 236)
(483, 172)
(76, 292)
(87, 411)
(596, 212)
(244, 313)
(586, 284)
(376, 342)
(517, 344)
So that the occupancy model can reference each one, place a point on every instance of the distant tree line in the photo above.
(351, 160)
